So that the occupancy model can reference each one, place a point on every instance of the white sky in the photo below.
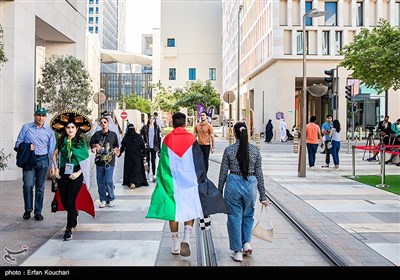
(141, 17)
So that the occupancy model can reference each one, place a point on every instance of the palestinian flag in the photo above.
(183, 191)
(84, 200)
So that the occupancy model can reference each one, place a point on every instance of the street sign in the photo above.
(229, 97)
(124, 115)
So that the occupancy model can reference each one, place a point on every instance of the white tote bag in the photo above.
(264, 232)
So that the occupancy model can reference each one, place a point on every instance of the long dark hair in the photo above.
(242, 154)
(76, 141)
(336, 125)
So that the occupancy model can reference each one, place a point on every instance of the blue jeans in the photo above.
(240, 196)
(335, 151)
(312, 150)
(35, 178)
(105, 184)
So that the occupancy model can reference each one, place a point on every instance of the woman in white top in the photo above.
(335, 139)
(282, 129)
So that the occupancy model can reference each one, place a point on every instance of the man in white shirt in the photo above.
(159, 123)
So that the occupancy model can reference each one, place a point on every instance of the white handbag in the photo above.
(266, 233)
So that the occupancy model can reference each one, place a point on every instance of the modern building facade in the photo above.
(271, 64)
(33, 31)
(107, 19)
(189, 43)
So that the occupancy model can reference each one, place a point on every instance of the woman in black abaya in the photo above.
(269, 131)
(133, 146)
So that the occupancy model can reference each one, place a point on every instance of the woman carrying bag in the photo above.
(243, 161)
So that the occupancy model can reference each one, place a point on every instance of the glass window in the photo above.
(91, 29)
(90, 10)
(172, 74)
(91, 1)
(171, 42)
(331, 16)
(192, 74)
(325, 42)
(299, 39)
(338, 41)
(91, 20)
(212, 74)
(308, 8)
(360, 14)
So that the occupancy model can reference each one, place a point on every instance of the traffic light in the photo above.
(329, 80)
(348, 92)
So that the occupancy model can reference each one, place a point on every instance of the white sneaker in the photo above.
(154, 179)
(111, 204)
(237, 256)
(102, 204)
(147, 176)
(247, 250)
(176, 246)
(132, 186)
(312, 168)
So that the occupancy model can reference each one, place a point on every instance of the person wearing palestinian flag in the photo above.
(72, 167)
(183, 192)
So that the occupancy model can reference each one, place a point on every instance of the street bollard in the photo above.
(296, 142)
(353, 162)
(257, 138)
(231, 136)
(382, 184)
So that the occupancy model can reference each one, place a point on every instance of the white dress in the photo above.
(282, 129)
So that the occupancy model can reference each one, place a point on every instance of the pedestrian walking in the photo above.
(335, 138)
(181, 177)
(159, 123)
(71, 166)
(269, 131)
(38, 137)
(282, 130)
(313, 134)
(134, 147)
(105, 144)
(243, 162)
(326, 130)
(204, 132)
(151, 134)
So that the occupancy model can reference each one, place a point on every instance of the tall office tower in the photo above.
(107, 19)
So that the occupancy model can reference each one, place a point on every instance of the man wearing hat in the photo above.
(42, 141)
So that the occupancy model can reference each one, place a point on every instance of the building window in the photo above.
(299, 39)
(338, 41)
(91, 20)
(172, 74)
(325, 42)
(212, 74)
(360, 14)
(91, 10)
(97, 10)
(308, 8)
(97, 29)
(171, 42)
(91, 29)
(331, 16)
(91, 1)
(192, 74)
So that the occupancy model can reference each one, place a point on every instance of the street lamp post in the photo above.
(302, 154)
(238, 66)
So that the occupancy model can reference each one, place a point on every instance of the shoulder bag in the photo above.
(264, 233)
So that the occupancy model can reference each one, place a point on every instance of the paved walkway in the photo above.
(362, 221)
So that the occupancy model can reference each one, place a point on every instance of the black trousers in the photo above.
(327, 153)
(69, 190)
(151, 157)
(206, 154)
